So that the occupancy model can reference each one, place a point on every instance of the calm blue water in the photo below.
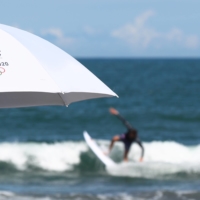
(43, 154)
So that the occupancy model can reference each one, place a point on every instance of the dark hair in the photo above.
(133, 131)
(132, 134)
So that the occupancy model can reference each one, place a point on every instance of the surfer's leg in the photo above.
(114, 139)
(127, 146)
(126, 155)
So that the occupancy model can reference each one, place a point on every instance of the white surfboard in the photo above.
(97, 151)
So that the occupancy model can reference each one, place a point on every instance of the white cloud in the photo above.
(89, 30)
(177, 35)
(60, 38)
(141, 19)
(192, 41)
(138, 34)
(174, 35)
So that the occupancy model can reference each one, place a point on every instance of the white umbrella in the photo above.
(35, 72)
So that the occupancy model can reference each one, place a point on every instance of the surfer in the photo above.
(127, 138)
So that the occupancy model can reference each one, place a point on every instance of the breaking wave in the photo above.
(161, 158)
(157, 195)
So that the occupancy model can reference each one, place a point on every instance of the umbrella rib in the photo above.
(62, 99)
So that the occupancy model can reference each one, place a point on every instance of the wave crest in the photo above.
(161, 158)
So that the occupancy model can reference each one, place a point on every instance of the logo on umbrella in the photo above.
(2, 70)
(4, 64)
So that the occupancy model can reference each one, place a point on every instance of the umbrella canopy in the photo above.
(35, 72)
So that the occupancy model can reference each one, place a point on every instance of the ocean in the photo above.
(43, 155)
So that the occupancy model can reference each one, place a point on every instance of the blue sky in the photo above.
(111, 28)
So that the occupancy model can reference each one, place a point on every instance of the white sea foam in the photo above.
(145, 195)
(160, 157)
(56, 157)
(7, 195)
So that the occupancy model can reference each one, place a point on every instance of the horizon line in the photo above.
(102, 57)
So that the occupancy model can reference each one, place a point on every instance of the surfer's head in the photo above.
(132, 134)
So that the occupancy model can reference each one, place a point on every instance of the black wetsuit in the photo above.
(125, 137)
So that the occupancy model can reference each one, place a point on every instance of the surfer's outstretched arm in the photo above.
(141, 146)
(116, 113)
(126, 123)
